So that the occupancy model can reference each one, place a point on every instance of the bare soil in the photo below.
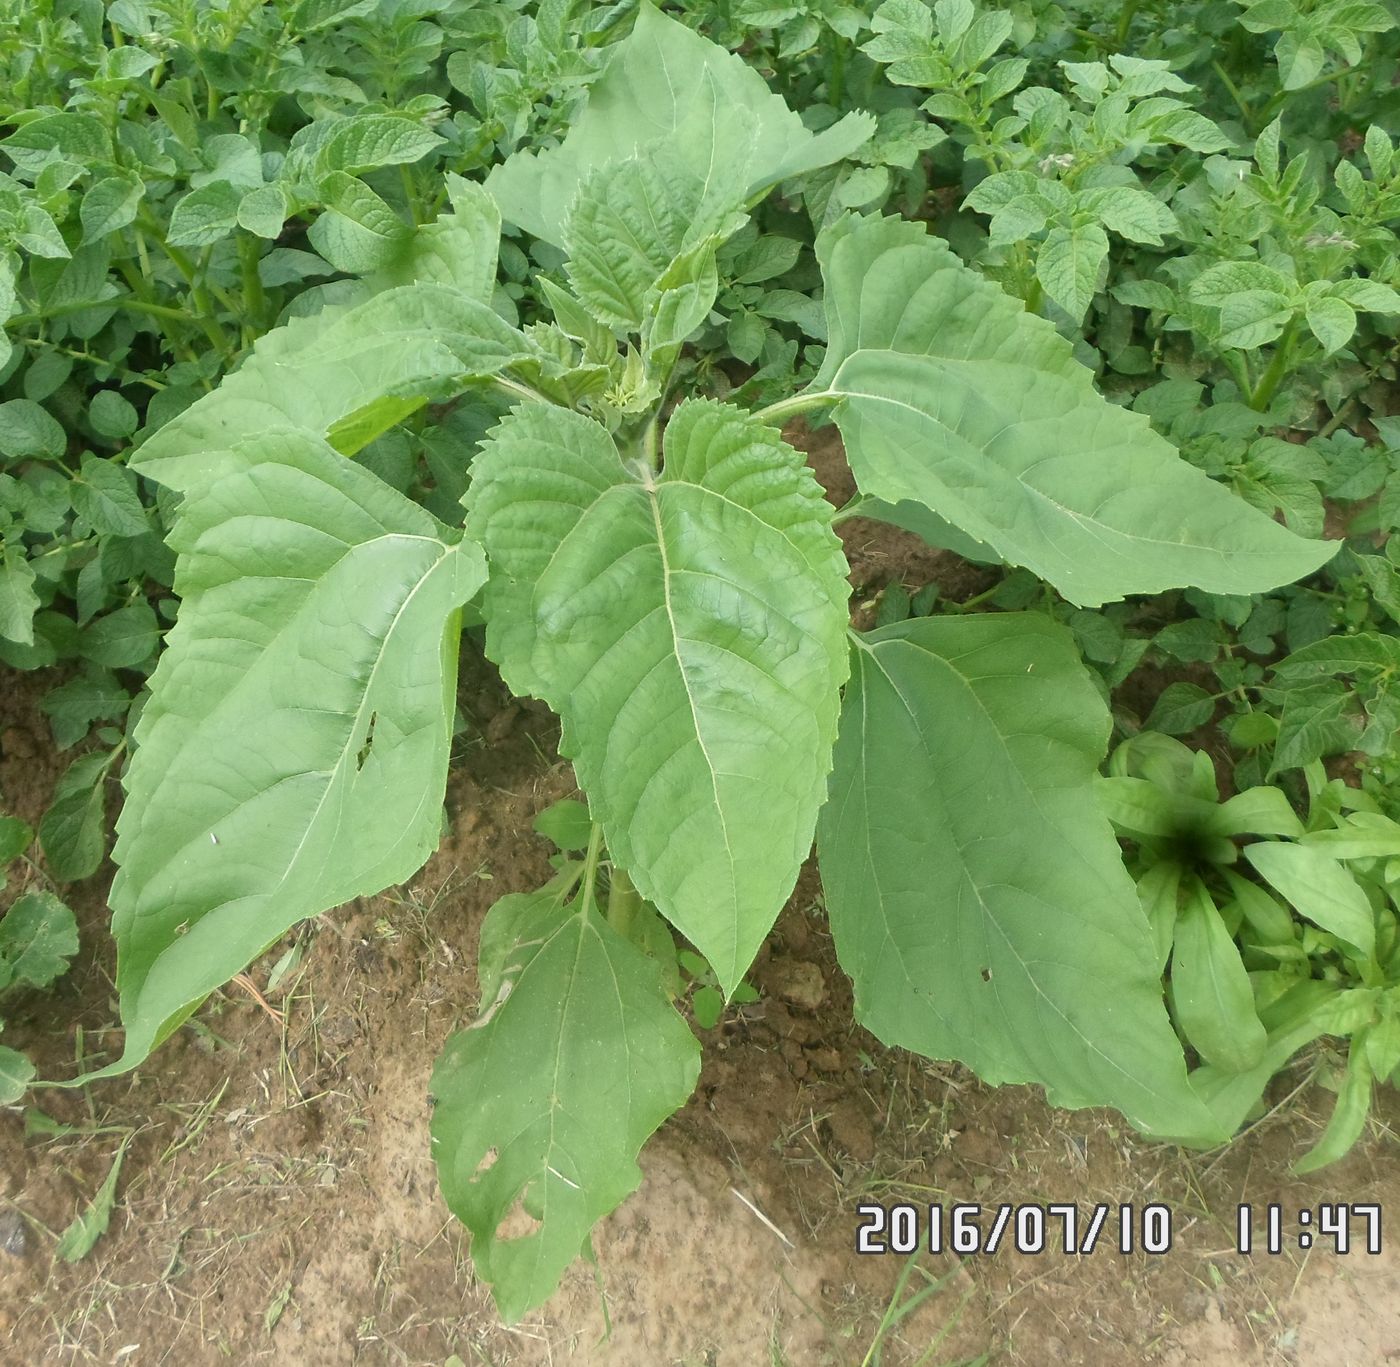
(277, 1202)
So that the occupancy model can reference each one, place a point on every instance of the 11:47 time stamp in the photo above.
(1072, 1228)
(1342, 1227)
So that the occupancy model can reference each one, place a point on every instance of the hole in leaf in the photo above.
(517, 1223)
(986, 975)
(488, 1161)
(369, 741)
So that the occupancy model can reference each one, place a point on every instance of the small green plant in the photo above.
(38, 936)
(707, 1001)
(1267, 944)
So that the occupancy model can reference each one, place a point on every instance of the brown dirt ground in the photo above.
(277, 1203)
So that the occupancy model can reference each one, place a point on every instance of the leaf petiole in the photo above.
(590, 868)
(778, 413)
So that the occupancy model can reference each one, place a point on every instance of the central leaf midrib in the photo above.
(1091, 524)
(654, 506)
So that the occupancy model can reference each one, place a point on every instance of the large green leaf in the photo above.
(976, 893)
(720, 121)
(345, 374)
(954, 397)
(418, 329)
(544, 1103)
(293, 752)
(689, 628)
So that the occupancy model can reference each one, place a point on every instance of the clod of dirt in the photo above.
(502, 724)
(17, 743)
(851, 1131)
(14, 1234)
(798, 982)
(340, 1031)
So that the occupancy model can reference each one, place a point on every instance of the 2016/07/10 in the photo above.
(1065, 1227)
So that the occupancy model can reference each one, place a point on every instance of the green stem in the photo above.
(254, 298)
(128, 376)
(1125, 20)
(851, 509)
(518, 390)
(1337, 419)
(409, 193)
(199, 295)
(135, 305)
(969, 603)
(806, 402)
(836, 80)
(590, 868)
(207, 286)
(623, 902)
(650, 450)
(1237, 363)
(1278, 368)
(1283, 96)
(1246, 112)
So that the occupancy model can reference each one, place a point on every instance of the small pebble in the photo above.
(14, 1233)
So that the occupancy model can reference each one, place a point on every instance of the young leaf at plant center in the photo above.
(631, 222)
(976, 893)
(689, 628)
(717, 114)
(544, 1103)
(293, 752)
(951, 395)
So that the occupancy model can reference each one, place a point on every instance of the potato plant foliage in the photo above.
(662, 570)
